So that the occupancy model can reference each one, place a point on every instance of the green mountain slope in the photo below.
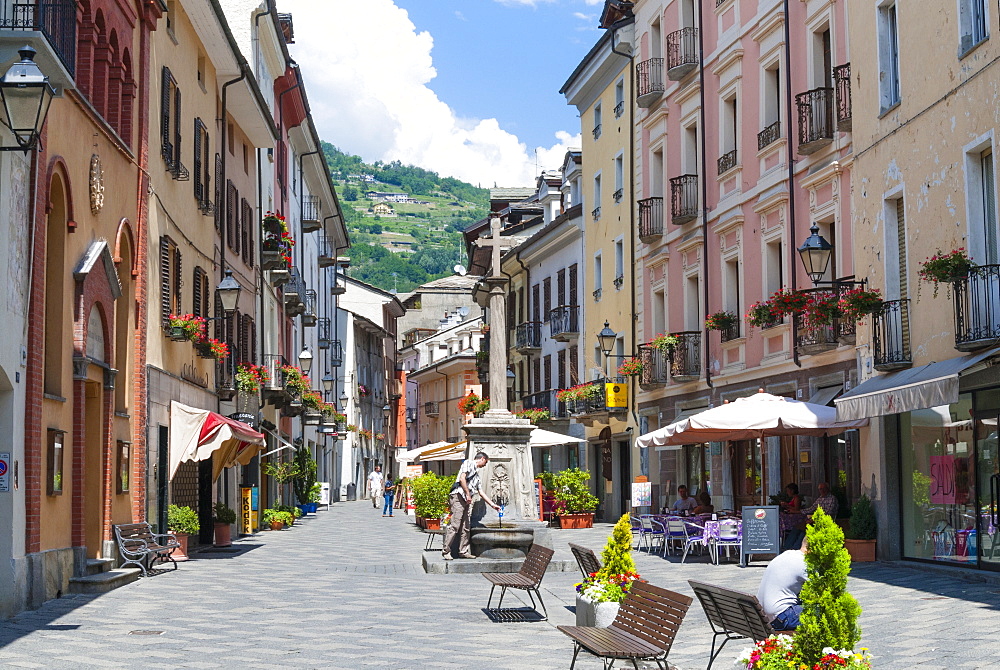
(400, 245)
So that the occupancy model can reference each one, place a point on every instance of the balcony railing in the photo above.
(528, 336)
(650, 220)
(275, 384)
(225, 378)
(619, 281)
(977, 308)
(411, 414)
(55, 19)
(325, 254)
(309, 313)
(842, 84)
(596, 213)
(597, 131)
(323, 331)
(769, 135)
(815, 110)
(619, 109)
(564, 323)
(311, 217)
(294, 292)
(336, 353)
(727, 161)
(619, 194)
(648, 81)
(597, 294)
(655, 367)
(891, 336)
(682, 53)
(685, 361)
(683, 199)
(431, 409)
(731, 333)
(596, 404)
(814, 338)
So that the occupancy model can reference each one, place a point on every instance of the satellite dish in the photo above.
(460, 270)
(463, 311)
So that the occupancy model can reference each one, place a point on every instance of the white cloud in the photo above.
(528, 3)
(582, 16)
(370, 94)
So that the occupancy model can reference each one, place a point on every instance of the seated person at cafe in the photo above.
(794, 503)
(827, 501)
(705, 505)
(684, 503)
(780, 587)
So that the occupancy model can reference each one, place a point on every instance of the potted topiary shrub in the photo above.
(276, 519)
(181, 522)
(430, 496)
(861, 537)
(574, 503)
(224, 517)
(599, 596)
(304, 480)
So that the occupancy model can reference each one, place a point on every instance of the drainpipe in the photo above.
(704, 183)
(791, 177)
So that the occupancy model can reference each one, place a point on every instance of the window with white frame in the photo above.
(973, 24)
(598, 274)
(619, 177)
(619, 98)
(984, 233)
(598, 114)
(888, 53)
(596, 212)
(619, 263)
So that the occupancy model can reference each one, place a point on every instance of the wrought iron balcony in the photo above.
(54, 19)
(311, 216)
(274, 387)
(619, 281)
(727, 161)
(431, 409)
(597, 131)
(564, 323)
(682, 53)
(336, 353)
(685, 360)
(977, 308)
(528, 336)
(326, 256)
(731, 333)
(309, 313)
(619, 109)
(842, 84)
(597, 294)
(655, 367)
(891, 336)
(815, 338)
(596, 213)
(294, 292)
(595, 403)
(649, 83)
(411, 414)
(815, 109)
(619, 194)
(683, 199)
(769, 135)
(323, 332)
(650, 220)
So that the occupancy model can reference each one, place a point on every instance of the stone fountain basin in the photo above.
(507, 541)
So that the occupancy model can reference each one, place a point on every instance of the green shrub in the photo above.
(617, 555)
(829, 613)
(430, 494)
(269, 516)
(305, 477)
(224, 513)
(182, 520)
(863, 526)
(572, 496)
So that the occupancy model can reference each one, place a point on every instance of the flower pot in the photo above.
(432, 524)
(277, 525)
(861, 551)
(178, 334)
(181, 553)
(204, 350)
(421, 521)
(591, 614)
(582, 520)
(223, 535)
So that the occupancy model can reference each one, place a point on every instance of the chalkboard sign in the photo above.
(760, 530)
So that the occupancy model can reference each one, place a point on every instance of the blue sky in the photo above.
(468, 88)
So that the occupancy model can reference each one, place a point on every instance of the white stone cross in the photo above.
(497, 242)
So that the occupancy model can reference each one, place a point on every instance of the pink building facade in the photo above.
(737, 155)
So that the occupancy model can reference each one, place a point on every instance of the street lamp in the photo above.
(510, 379)
(327, 382)
(305, 361)
(25, 96)
(816, 253)
(386, 413)
(343, 401)
(228, 292)
(607, 338)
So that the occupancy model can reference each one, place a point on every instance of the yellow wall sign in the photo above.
(248, 515)
(617, 395)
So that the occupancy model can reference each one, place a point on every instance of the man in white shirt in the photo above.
(375, 484)
(460, 501)
(684, 503)
(780, 587)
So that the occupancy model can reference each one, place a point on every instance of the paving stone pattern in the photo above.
(345, 590)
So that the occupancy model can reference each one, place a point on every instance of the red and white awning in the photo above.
(198, 434)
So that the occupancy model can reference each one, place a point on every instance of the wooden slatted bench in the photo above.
(528, 578)
(734, 614)
(139, 545)
(586, 559)
(644, 629)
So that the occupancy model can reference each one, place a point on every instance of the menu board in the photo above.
(760, 530)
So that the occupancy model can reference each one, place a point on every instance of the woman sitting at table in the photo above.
(705, 505)
(795, 502)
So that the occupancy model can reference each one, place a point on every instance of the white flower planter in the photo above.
(594, 614)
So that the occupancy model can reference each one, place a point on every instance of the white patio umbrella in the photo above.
(546, 438)
(411, 455)
(757, 416)
(448, 452)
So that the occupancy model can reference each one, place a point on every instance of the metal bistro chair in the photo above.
(676, 531)
(730, 535)
(695, 536)
(652, 530)
(638, 532)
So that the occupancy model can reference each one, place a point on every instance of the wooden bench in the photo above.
(528, 578)
(734, 614)
(139, 545)
(431, 534)
(644, 629)
(586, 559)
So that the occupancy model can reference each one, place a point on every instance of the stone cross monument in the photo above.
(509, 476)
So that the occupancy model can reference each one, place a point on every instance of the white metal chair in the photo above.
(675, 531)
(654, 531)
(729, 536)
(695, 537)
(638, 532)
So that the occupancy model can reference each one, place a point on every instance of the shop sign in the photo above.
(760, 531)
(642, 494)
(4, 473)
(248, 509)
(616, 394)
(245, 417)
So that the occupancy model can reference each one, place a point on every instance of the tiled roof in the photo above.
(512, 193)
(451, 281)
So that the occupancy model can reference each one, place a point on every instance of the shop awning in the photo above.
(449, 452)
(928, 385)
(547, 438)
(411, 455)
(198, 434)
(825, 396)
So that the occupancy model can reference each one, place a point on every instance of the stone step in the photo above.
(98, 565)
(103, 582)
(434, 564)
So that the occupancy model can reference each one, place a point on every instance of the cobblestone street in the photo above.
(345, 590)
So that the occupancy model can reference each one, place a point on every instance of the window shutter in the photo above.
(251, 245)
(177, 126)
(218, 192)
(253, 340)
(196, 286)
(561, 369)
(572, 284)
(198, 192)
(535, 303)
(548, 373)
(989, 208)
(537, 374)
(244, 230)
(561, 288)
(206, 294)
(178, 281)
(547, 293)
(574, 366)
(206, 164)
(241, 340)
(901, 232)
(219, 323)
(166, 149)
(230, 196)
(165, 263)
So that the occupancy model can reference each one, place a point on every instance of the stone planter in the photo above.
(312, 417)
(594, 614)
(204, 350)
(583, 520)
(432, 524)
(861, 551)
(223, 535)
(178, 334)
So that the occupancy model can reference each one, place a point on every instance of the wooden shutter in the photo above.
(537, 374)
(177, 127)
(250, 246)
(166, 258)
(197, 305)
(230, 227)
(219, 322)
(199, 188)
(561, 369)
(901, 233)
(511, 310)
(547, 293)
(244, 230)
(241, 340)
(178, 281)
(989, 208)
(561, 287)
(548, 373)
(574, 365)
(166, 149)
(218, 192)
(206, 164)
(572, 284)
(535, 303)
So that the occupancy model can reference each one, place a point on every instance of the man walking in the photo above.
(375, 485)
(460, 502)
